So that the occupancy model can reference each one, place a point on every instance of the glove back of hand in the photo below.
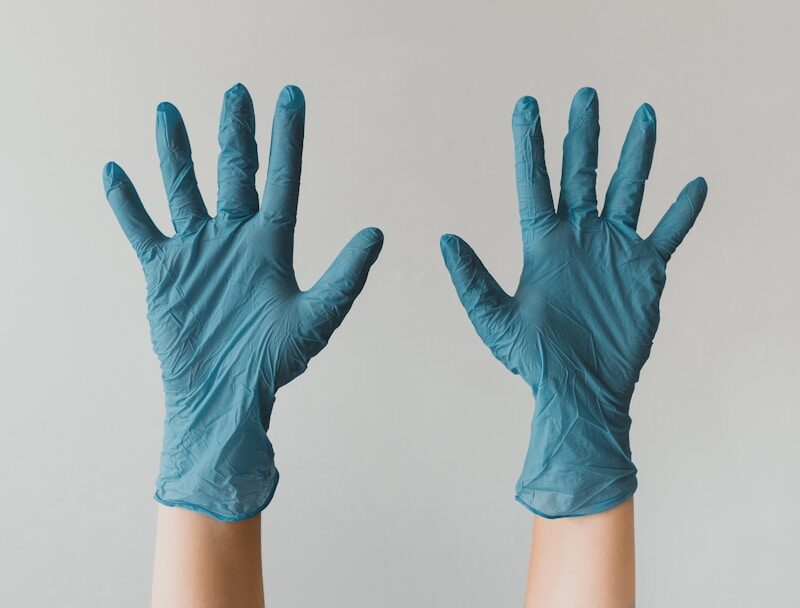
(581, 324)
(227, 319)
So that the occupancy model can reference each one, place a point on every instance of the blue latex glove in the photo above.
(227, 318)
(581, 323)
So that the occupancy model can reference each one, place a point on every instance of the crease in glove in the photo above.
(581, 323)
(228, 321)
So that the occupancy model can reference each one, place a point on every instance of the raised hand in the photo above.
(581, 324)
(227, 319)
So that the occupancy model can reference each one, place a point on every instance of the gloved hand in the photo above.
(581, 323)
(227, 318)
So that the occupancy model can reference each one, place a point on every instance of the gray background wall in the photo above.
(400, 446)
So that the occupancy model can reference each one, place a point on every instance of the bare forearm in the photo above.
(205, 563)
(583, 561)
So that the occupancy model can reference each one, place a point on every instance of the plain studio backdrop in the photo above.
(400, 446)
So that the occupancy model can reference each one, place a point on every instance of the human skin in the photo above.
(584, 561)
(206, 563)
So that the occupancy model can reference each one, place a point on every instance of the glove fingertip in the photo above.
(448, 242)
(454, 250)
(583, 104)
(695, 194)
(113, 175)
(372, 235)
(368, 240)
(647, 114)
(291, 96)
(526, 110)
(167, 109)
(702, 185)
(108, 174)
(374, 242)
(238, 90)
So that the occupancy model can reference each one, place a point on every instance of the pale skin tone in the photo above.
(575, 561)
(202, 562)
(205, 563)
(583, 562)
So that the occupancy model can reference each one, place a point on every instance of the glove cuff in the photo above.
(579, 458)
(220, 465)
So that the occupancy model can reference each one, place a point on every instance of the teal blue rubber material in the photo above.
(581, 324)
(228, 321)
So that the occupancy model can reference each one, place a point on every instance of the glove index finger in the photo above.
(626, 190)
(177, 170)
(285, 158)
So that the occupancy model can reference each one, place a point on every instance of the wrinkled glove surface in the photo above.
(581, 324)
(228, 321)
